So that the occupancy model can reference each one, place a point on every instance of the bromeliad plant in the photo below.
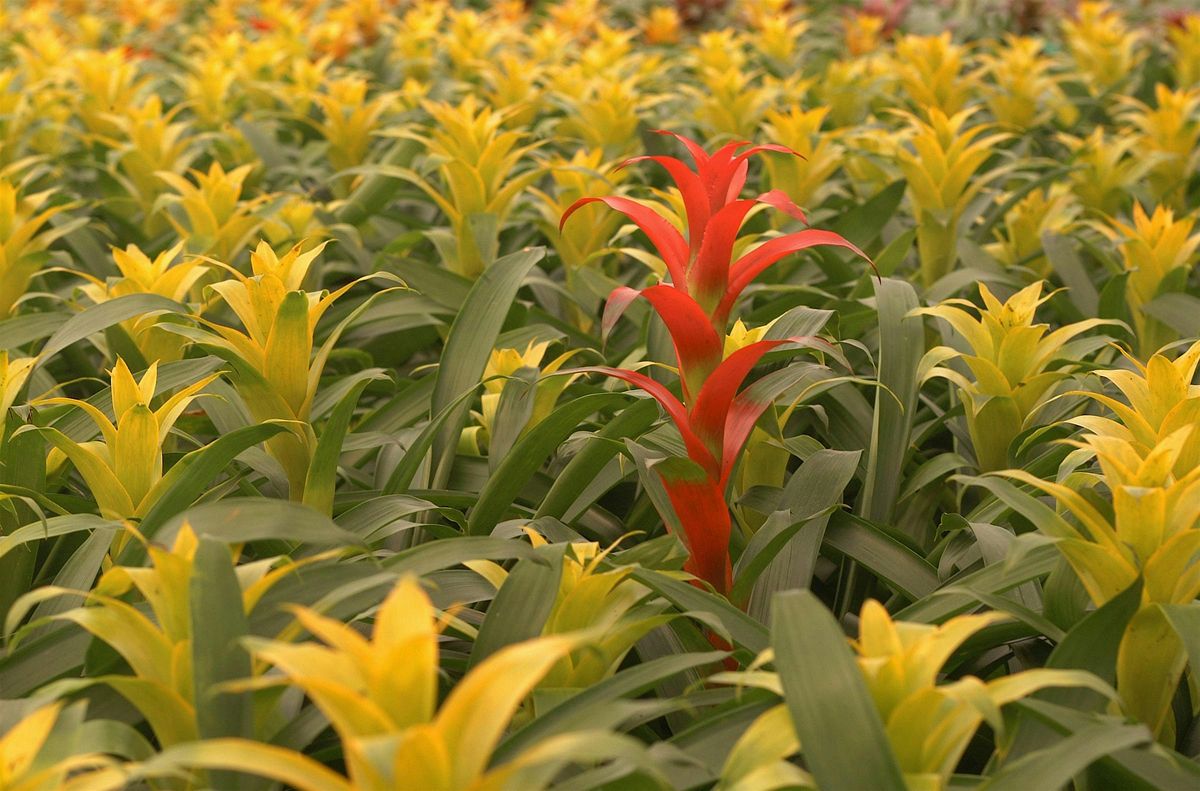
(1011, 363)
(380, 695)
(275, 363)
(713, 418)
(1159, 252)
(124, 468)
(928, 722)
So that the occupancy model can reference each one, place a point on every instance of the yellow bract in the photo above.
(1153, 533)
(1011, 376)
(506, 363)
(941, 170)
(1021, 91)
(123, 469)
(1185, 45)
(1168, 137)
(1019, 237)
(929, 69)
(478, 165)
(803, 178)
(380, 695)
(23, 239)
(1158, 251)
(928, 724)
(1161, 401)
(164, 277)
(1105, 51)
(219, 222)
(14, 372)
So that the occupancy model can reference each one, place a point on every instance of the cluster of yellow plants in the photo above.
(303, 479)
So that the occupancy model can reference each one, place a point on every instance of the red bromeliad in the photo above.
(713, 418)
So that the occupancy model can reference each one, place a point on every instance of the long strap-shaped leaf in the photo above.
(844, 743)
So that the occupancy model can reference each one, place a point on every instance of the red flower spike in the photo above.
(698, 348)
(699, 156)
(752, 264)
(699, 504)
(691, 189)
(666, 239)
(711, 411)
(697, 451)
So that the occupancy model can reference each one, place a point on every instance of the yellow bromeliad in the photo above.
(1158, 251)
(1185, 48)
(274, 367)
(1010, 362)
(1019, 237)
(1103, 47)
(480, 169)
(380, 696)
(930, 69)
(1153, 533)
(164, 276)
(803, 177)
(1161, 401)
(928, 724)
(23, 239)
(941, 170)
(14, 372)
(124, 468)
(614, 607)
(1021, 91)
(1106, 170)
(218, 221)
(1168, 136)
(505, 363)
(349, 119)
(157, 641)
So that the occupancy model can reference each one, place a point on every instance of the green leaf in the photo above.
(322, 470)
(585, 465)
(99, 317)
(242, 519)
(468, 346)
(840, 731)
(218, 625)
(1054, 766)
(527, 455)
(745, 631)
(522, 604)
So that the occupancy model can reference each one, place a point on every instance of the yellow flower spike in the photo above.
(928, 724)
(1019, 237)
(387, 686)
(14, 372)
(1106, 172)
(107, 83)
(219, 222)
(23, 239)
(350, 120)
(863, 33)
(1010, 364)
(662, 25)
(930, 72)
(1105, 51)
(1021, 90)
(124, 470)
(1161, 400)
(1185, 48)
(1154, 250)
(941, 170)
(805, 177)
(1168, 136)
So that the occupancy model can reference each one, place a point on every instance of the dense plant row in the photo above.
(400, 395)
